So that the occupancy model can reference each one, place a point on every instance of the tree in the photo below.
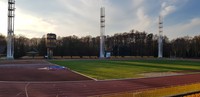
(42, 49)
(2, 44)
(21, 46)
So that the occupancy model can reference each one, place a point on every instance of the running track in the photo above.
(82, 88)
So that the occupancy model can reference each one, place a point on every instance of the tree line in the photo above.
(132, 43)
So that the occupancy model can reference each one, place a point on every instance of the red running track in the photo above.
(89, 88)
(83, 88)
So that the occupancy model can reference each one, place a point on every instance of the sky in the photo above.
(35, 18)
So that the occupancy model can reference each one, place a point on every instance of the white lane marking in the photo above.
(18, 94)
(26, 90)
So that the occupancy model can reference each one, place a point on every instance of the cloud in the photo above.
(64, 18)
(3, 18)
(170, 6)
(167, 8)
(82, 17)
(137, 3)
(190, 28)
(33, 26)
(143, 20)
(25, 24)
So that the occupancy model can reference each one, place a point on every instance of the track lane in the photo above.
(52, 85)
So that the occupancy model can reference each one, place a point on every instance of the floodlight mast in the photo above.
(10, 34)
(160, 37)
(102, 32)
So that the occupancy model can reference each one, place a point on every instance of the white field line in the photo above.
(84, 75)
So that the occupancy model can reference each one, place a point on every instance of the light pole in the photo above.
(10, 35)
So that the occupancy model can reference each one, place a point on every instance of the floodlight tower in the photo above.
(10, 35)
(102, 32)
(160, 37)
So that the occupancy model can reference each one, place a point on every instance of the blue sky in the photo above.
(35, 18)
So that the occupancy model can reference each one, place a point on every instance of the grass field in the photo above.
(114, 69)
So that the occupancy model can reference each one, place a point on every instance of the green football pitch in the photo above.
(119, 69)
